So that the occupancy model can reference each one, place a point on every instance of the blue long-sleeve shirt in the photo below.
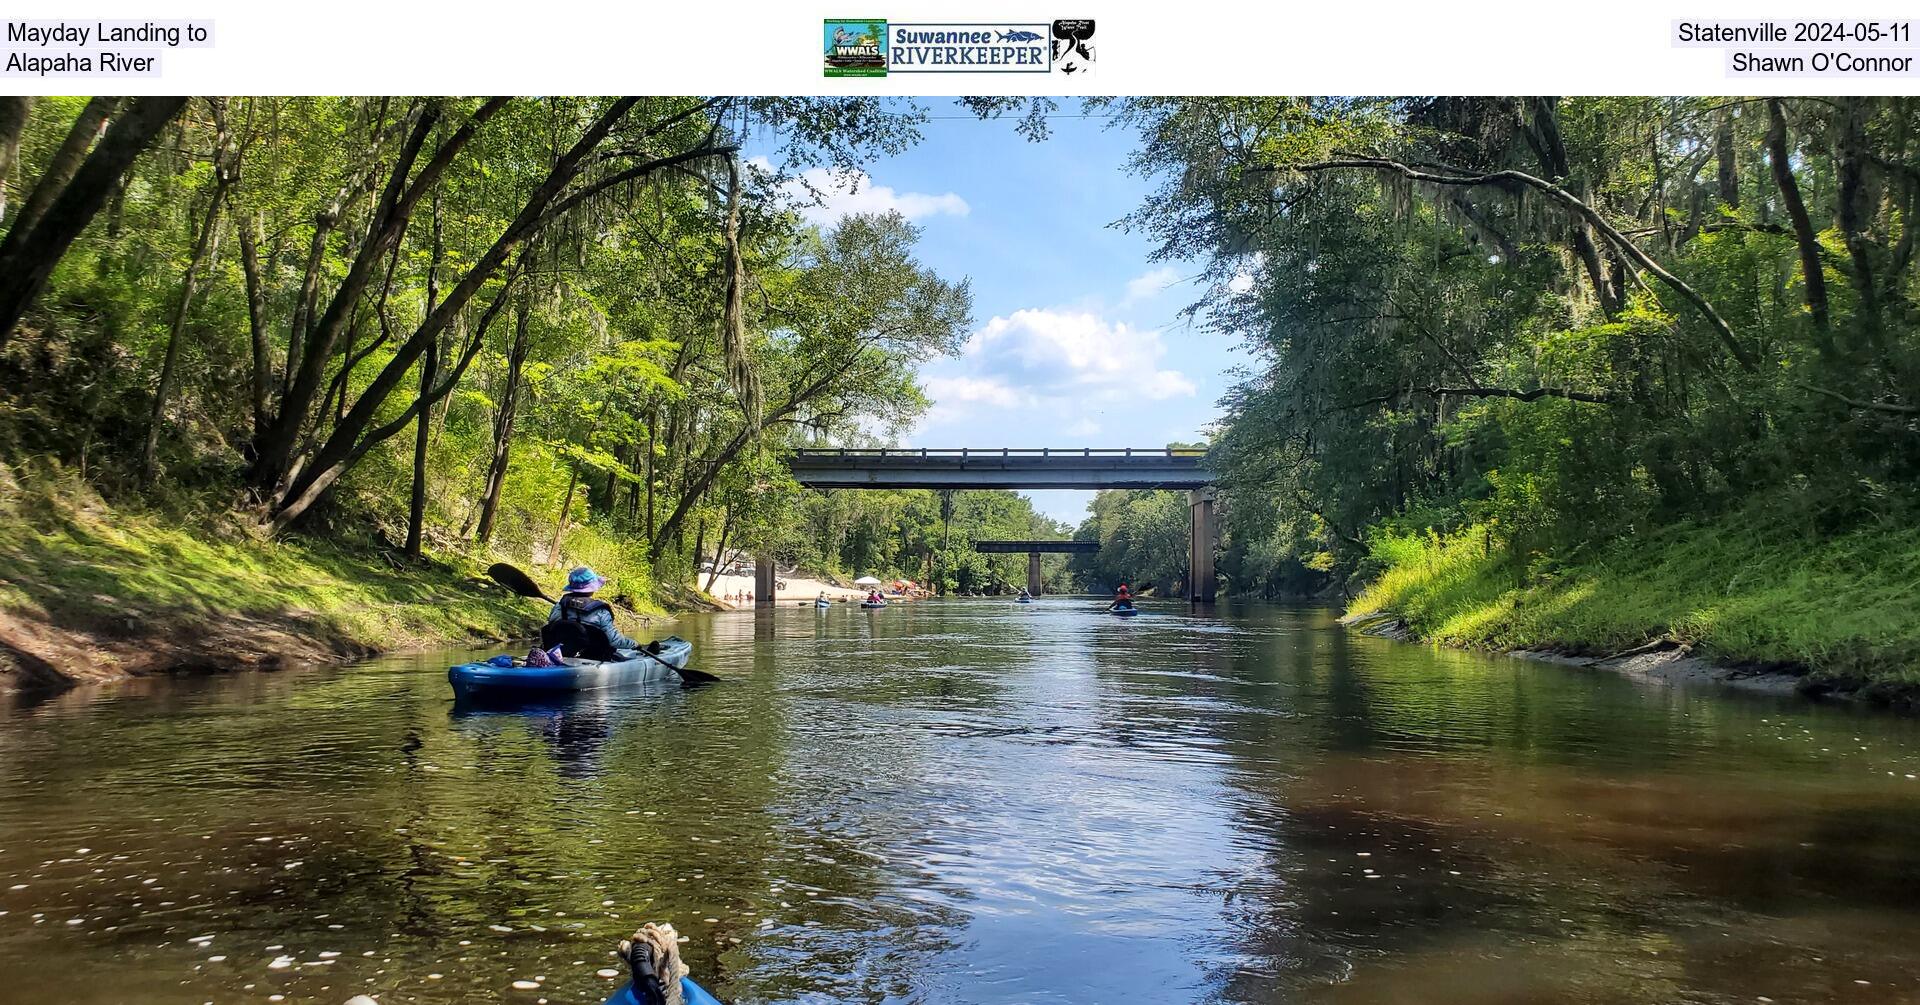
(603, 620)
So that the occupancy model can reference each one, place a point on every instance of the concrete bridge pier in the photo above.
(1200, 541)
(763, 581)
(1033, 573)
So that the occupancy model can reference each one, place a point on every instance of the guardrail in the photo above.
(1193, 452)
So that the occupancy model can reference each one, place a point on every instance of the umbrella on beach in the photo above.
(866, 581)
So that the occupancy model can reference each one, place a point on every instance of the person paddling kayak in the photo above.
(582, 625)
(1122, 598)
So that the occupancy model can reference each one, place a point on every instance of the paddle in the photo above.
(523, 584)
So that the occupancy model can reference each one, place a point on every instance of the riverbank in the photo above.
(1754, 599)
(91, 592)
(797, 588)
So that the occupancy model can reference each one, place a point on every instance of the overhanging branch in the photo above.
(1571, 202)
(1535, 394)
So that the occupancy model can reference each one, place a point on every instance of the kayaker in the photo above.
(1122, 597)
(577, 606)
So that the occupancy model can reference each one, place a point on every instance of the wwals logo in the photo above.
(856, 48)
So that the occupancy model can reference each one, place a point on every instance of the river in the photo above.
(968, 801)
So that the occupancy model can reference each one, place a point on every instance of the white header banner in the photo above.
(918, 48)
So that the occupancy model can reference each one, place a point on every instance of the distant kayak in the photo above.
(870, 605)
(478, 679)
(1124, 612)
(1024, 600)
(823, 604)
(693, 993)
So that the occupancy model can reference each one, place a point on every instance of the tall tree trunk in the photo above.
(1855, 215)
(503, 422)
(399, 199)
(202, 244)
(699, 539)
(29, 254)
(652, 417)
(550, 200)
(566, 513)
(351, 439)
(1725, 171)
(1552, 153)
(429, 363)
(14, 113)
(66, 160)
(1780, 161)
(719, 553)
(262, 377)
(573, 482)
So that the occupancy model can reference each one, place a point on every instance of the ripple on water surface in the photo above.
(960, 802)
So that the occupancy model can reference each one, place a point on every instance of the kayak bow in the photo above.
(693, 993)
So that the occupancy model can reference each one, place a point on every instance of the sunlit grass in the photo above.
(1750, 587)
(69, 559)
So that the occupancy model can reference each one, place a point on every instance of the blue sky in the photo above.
(1075, 340)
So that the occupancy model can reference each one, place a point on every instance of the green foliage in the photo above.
(598, 412)
(1760, 584)
(923, 536)
(1143, 541)
(1463, 379)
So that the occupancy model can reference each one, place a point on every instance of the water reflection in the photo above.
(969, 801)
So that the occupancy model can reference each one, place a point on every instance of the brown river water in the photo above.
(967, 801)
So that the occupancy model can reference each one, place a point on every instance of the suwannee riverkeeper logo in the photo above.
(874, 47)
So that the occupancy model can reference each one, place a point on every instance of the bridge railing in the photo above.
(1181, 452)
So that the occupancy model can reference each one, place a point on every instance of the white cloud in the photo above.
(1044, 373)
(844, 192)
(1056, 352)
(1149, 285)
(974, 390)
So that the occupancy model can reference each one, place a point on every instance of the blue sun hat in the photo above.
(584, 580)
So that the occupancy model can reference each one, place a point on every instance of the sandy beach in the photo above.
(796, 589)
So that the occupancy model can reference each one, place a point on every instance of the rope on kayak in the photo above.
(653, 954)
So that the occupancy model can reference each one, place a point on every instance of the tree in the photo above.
(61, 204)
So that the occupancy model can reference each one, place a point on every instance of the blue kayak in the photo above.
(472, 680)
(693, 993)
(869, 605)
(1024, 600)
(1124, 612)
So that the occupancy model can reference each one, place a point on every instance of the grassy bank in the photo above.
(90, 591)
(1760, 586)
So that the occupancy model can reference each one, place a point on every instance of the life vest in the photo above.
(574, 634)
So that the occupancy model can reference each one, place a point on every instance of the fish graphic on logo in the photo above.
(1019, 36)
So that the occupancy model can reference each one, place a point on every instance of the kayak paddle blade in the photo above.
(688, 675)
(515, 580)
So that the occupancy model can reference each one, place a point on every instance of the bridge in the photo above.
(1002, 468)
(1033, 550)
(1036, 547)
(1175, 468)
